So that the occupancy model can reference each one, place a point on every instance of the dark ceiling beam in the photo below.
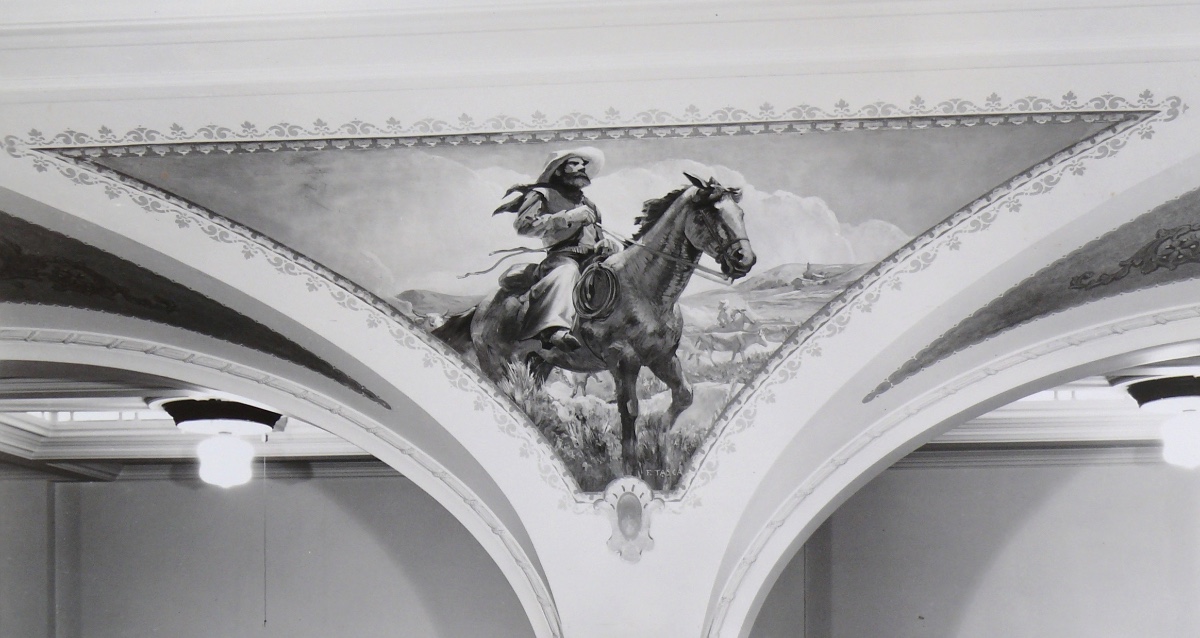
(58, 470)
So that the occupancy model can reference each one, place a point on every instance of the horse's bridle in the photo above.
(711, 274)
(713, 231)
(708, 227)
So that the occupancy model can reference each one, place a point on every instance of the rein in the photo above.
(508, 253)
(703, 271)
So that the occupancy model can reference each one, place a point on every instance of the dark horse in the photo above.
(645, 325)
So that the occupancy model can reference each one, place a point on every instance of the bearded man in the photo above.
(555, 210)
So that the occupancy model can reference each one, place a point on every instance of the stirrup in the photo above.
(562, 339)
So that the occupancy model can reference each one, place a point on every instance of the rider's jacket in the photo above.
(546, 213)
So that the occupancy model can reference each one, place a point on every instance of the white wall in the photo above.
(25, 559)
(344, 557)
(1041, 551)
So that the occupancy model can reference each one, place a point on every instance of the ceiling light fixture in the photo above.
(225, 457)
(1178, 397)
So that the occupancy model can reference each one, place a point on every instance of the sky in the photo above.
(417, 218)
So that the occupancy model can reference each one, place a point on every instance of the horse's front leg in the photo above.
(625, 374)
(670, 371)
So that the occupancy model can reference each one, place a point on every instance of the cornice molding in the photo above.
(360, 19)
(132, 446)
(276, 470)
(279, 470)
(380, 48)
(429, 465)
(21, 436)
(930, 457)
(1056, 422)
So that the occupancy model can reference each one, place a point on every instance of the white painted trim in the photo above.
(356, 19)
(1123, 339)
(930, 457)
(523, 45)
(181, 362)
(357, 468)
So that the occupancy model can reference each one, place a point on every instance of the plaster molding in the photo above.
(69, 153)
(469, 43)
(357, 468)
(288, 470)
(20, 436)
(1071, 424)
(888, 276)
(429, 466)
(932, 458)
(375, 313)
(919, 113)
(133, 445)
(925, 401)
(381, 18)
(630, 505)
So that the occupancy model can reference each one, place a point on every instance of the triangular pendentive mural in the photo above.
(715, 246)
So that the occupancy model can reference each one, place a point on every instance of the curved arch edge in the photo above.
(182, 362)
(1135, 338)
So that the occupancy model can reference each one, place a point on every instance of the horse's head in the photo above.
(717, 226)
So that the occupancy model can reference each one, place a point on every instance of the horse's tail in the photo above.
(456, 332)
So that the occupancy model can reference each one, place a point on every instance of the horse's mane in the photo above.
(653, 210)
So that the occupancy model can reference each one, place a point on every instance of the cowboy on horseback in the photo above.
(630, 318)
(555, 210)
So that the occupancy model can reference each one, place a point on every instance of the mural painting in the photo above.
(620, 291)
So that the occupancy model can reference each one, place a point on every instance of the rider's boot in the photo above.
(560, 338)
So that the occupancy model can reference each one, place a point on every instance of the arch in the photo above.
(1013, 366)
(832, 442)
(249, 268)
(62, 335)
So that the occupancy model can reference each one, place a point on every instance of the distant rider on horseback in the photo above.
(568, 223)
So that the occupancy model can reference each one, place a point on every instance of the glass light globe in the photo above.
(225, 460)
(1181, 440)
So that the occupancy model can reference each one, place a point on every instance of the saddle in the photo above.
(519, 279)
(595, 293)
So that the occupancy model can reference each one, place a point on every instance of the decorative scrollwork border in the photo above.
(918, 255)
(575, 126)
(69, 152)
(887, 276)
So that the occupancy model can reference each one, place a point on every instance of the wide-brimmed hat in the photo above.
(591, 154)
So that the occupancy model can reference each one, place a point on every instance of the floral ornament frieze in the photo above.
(887, 276)
(72, 150)
(575, 126)
(376, 313)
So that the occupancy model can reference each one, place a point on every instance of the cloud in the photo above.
(874, 239)
(399, 221)
(783, 227)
